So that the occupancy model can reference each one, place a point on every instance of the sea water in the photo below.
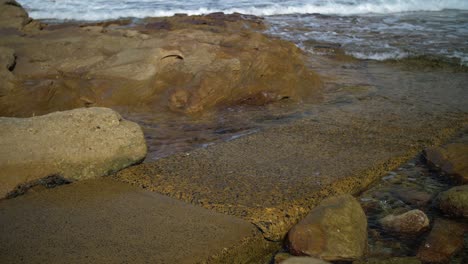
(365, 29)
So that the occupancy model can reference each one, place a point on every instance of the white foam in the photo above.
(112, 9)
(380, 56)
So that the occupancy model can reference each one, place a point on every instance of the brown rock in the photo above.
(445, 240)
(12, 15)
(304, 260)
(412, 222)
(396, 260)
(454, 202)
(451, 159)
(189, 69)
(335, 230)
(7, 64)
(77, 144)
(413, 196)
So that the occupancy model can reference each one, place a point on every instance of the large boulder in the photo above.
(451, 159)
(336, 230)
(454, 202)
(197, 64)
(12, 15)
(412, 222)
(445, 240)
(77, 144)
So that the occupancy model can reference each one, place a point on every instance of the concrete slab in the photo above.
(105, 221)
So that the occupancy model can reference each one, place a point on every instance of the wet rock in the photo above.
(454, 202)
(451, 159)
(413, 196)
(77, 144)
(396, 260)
(280, 257)
(333, 231)
(445, 240)
(304, 260)
(412, 222)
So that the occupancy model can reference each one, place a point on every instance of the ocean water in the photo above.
(366, 29)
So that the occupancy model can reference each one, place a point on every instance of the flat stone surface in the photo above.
(77, 144)
(105, 221)
(273, 178)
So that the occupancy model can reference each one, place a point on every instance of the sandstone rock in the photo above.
(187, 68)
(454, 202)
(451, 159)
(411, 222)
(333, 231)
(7, 64)
(445, 240)
(76, 144)
(304, 260)
(396, 260)
(12, 15)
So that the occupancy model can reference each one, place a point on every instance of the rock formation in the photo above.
(77, 144)
(186, 64)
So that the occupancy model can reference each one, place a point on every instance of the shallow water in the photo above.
(439, 34)
(365, 29)
(412, 186)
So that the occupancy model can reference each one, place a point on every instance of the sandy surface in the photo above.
(375, 117)
(104, 221)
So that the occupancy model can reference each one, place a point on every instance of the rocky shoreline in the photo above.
(287, 188)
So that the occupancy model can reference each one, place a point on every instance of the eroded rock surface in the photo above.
(335, 230)
(185, 64)
(454, 202)
(77, 144)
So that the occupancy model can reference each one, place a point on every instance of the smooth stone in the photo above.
(77, 144)
(413, 196)
(451, 159)
(104, 221)
(304, 260)
(336, 230)
(412, 222)
(444, 240)
(394, 260)
(454, 202)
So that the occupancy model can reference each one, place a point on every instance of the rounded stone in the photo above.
(454, 202)
(412, 222)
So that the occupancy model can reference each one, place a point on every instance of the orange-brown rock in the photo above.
(451, 159)
(336, 230)
(187, 64)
